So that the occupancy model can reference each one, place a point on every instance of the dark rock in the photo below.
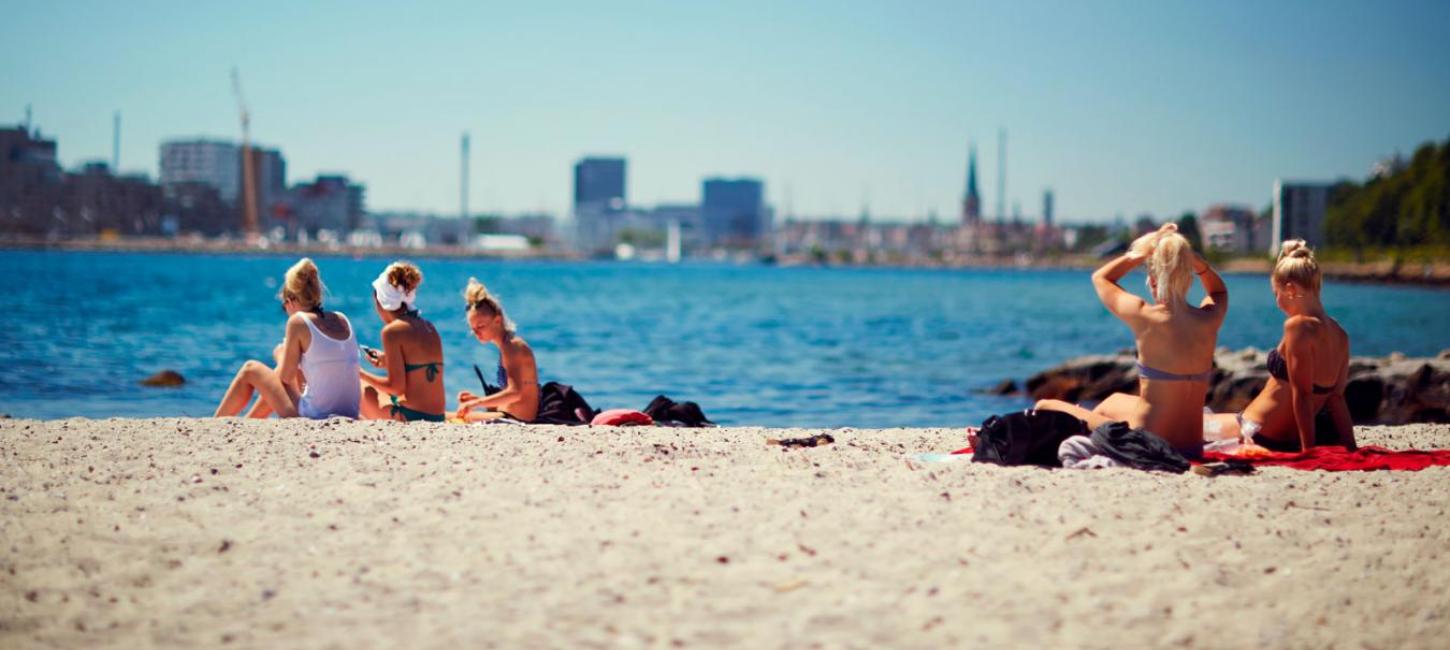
(164, 379)
(1007, 387)
(1380, 390)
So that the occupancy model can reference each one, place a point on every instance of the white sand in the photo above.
(139, 533)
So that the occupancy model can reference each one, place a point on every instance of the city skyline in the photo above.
(1118, 109)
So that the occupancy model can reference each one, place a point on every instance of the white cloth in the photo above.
(330, 368)
(1079, 452)
(391, 297)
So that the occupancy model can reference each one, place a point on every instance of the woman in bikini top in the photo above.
(412, 354)
(1175, 340)
(518, 376)
(1308, 369)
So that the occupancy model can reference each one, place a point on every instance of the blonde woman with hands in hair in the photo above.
(1175, 340)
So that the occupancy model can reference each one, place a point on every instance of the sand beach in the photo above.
(228, 533)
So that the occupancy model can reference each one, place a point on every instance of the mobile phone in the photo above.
(371, 353)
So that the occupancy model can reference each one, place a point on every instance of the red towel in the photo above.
(621, 418)
(1339, 459)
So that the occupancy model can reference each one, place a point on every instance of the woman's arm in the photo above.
(522, 374)
(1118, 300)
(1217, 299)
(396, 381)
(287, 369)
(1339, 410)
(1299, 357)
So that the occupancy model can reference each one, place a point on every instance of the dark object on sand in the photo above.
(165, 379)
(1137, 448)
(1027, 438)
(1228, 467)
(669, 413)
(560, 404)
(817, 440)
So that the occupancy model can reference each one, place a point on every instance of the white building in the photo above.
(1299, 213)
(214, 163)
(1228, 228)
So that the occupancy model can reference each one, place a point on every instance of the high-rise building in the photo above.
(1047, 207)
(600, 181)
(271, 175)
(972, 200)
(600, 201)
(734, 212)
(1299, 213)
(211, 162)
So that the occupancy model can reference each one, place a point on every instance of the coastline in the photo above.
(1435, 274)
(292, 533)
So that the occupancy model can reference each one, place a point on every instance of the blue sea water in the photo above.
(754, 345)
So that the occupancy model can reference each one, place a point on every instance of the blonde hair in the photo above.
(303, 284)
(404, 275)
(1296, 264)
(477, 298)
(1170, 264)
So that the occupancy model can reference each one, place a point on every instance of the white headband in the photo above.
(391, 297)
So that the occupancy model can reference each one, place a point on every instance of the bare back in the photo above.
(1179, 342)
(419, 352)
(1325, 346)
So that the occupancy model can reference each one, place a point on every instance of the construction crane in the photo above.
(249, 176)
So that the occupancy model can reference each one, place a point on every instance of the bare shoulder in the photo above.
(1302, 325)
(397, 330)
(518, 345)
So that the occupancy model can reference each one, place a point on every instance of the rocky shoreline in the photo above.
(1382, 390)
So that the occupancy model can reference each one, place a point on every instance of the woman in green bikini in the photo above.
(412, 354)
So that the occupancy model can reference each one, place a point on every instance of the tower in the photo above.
(972, 201)
(463, 177)
(1047, 207)
(116, 144)
(1001, 174)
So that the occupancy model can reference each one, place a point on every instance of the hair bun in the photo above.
(1295, 248)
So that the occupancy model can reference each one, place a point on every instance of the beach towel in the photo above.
(1340, 459)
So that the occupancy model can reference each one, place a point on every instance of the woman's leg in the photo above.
(1119, 407)
(279, 397)
(1092, 419)
(238, 394)
(374, 405)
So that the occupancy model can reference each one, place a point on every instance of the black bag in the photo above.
(559, 404)
(669, 413)
(1027, 438)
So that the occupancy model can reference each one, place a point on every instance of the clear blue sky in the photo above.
(1121, 107)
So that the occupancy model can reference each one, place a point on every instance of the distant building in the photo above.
(95, 201)
(971, 201)
(271, 179)
(1298, 213)
(1229, 228)
(30, 181)
(331, 202)
(1047, 208)
(734, 213)
(600, 198)
(211, 162)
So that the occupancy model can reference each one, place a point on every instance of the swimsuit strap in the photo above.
(1155, 374)
(432, 368)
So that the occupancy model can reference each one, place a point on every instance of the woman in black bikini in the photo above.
(1307, 370)
(412, 354)
(518, 376)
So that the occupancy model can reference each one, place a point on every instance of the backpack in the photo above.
(1026, 438)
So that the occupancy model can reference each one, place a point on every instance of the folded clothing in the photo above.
(1137, 448)
(1340, 459)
